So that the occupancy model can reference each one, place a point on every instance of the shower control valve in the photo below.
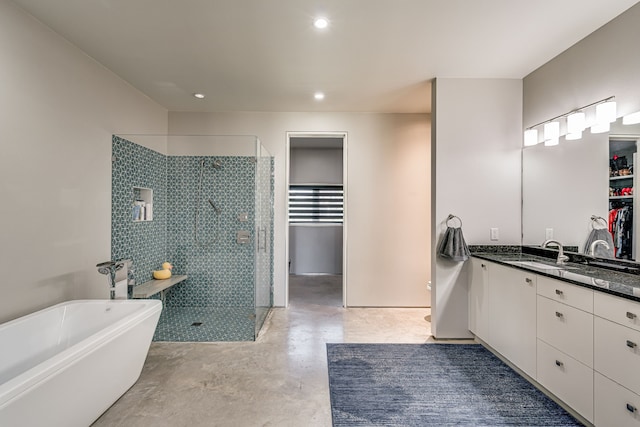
(242, 237)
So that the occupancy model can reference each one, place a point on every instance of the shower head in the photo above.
(217, 164)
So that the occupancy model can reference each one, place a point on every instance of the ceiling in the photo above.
(260, 55)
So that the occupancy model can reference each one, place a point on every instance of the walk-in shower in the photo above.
(207, 192)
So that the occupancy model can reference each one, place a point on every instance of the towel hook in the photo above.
(452, 216)
(595, 219)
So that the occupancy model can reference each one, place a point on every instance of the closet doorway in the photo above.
(316, 213)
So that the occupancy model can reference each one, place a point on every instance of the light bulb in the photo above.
(321, 23)
(606, 112)
(551, 131)
(530, 137)
(576, 122)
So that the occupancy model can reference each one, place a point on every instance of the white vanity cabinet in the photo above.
(616, 361)
(479, 299)
(512, 315)
(581, 345)
(565, 343)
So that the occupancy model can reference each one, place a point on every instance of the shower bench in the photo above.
(152, 287)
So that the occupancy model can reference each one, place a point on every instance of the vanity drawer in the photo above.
(616, 309)
(566, 293)
(568, 379)
(616, 353)
(614, 404)
(566, 328)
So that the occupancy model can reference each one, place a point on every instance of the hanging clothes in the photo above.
(621, 229)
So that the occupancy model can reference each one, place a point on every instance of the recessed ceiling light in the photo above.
(321, 23)
(319, 96)
(199, 95)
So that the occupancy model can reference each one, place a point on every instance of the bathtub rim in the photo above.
(21, 383)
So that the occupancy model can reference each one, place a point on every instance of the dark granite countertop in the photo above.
(615, 277)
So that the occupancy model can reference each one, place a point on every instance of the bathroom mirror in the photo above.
(563, 186)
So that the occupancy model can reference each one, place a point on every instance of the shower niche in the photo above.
(142, 206)
(206, 190)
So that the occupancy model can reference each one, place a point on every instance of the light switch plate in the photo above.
(495, 235)
(548, 233)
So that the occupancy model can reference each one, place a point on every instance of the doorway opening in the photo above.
(316, 215)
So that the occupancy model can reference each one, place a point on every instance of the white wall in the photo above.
(315, 166)
(477, 135)
(388, 197)
(606, 63)
(58, 110)
(315, 249)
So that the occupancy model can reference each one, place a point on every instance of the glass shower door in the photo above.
(263, 235)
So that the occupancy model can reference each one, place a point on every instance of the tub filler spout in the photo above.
(109, 269)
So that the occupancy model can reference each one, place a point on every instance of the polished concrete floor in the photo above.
(279, 380)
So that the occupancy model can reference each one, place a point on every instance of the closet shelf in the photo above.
(620, 197)
(614, 178)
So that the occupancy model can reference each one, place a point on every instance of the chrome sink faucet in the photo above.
(592, 247)
(562, 258)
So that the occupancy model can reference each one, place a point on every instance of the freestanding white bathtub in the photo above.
(66, 364)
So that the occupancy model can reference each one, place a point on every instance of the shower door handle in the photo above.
(262, 243)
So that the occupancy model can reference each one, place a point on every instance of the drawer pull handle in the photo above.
(631, 315)
(558, 314)
(559, 292)
(559, 363)
(631, 408)
(631, 344)
(528, 280)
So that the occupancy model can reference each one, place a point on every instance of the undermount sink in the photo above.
(534, 264)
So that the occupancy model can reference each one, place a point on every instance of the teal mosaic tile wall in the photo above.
(221, 271)
(219, 294)
(143, 242)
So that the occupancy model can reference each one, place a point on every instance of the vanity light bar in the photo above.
(576, 123)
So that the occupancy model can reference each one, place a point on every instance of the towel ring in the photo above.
(594, 221)
(451, 217)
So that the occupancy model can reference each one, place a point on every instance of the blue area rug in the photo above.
(433, 385)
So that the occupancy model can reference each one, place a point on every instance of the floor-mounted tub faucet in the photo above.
(109, 268)
(562, 258)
